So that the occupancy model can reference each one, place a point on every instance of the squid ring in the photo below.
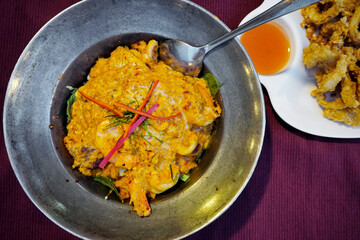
(315, 13)
(354, 27)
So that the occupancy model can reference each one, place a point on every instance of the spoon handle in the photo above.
(282, 8)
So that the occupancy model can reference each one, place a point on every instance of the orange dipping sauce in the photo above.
(268, 47)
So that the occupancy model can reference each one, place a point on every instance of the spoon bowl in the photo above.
(189, 59)
(182, 56)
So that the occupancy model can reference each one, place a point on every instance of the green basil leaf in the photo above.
(69, 103)
(212, 82)
(108, 182)
(185, 177)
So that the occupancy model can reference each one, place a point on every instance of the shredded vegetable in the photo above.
(122, 140)
(144, 113)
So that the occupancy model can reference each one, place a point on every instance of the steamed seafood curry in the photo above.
(332, 26)
(138, 126)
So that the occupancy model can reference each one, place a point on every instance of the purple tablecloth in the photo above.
(304, 187)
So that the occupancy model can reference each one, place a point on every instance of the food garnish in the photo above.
(101, 104)
(108, 182)
(333, 30)
(138, 125)
(121, 105)
(69, 104)
(171, 173)
(185, 177)
(125, 136)
(146, 100)
(212, 82)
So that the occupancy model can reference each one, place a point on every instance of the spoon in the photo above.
(188, 59)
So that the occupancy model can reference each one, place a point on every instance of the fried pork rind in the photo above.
(333, 30)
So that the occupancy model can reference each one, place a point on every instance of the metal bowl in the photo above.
(61, 54)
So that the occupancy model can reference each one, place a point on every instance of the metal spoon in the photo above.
(188, 59)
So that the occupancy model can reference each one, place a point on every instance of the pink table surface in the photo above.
(304, 186)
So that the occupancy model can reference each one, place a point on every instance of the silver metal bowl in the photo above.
(61, 54)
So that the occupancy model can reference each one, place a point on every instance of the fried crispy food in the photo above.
(319, 55)
(335, 31)
(322, 12)
(348, 92)
(332, 26)
(329, 80)
(349, 116)
(354, 27)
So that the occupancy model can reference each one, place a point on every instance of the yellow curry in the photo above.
(157, 152)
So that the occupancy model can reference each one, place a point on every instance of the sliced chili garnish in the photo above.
(122, 139)
(144, 113)
(101, 104)
(152, 88)
(132, 125)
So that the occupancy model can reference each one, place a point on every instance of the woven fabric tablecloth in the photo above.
(304, 186)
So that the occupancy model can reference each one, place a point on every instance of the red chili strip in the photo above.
(144, 113)
(101, 104)
(122, 139)
(141, 107)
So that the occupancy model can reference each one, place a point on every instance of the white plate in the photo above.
(289, 91)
